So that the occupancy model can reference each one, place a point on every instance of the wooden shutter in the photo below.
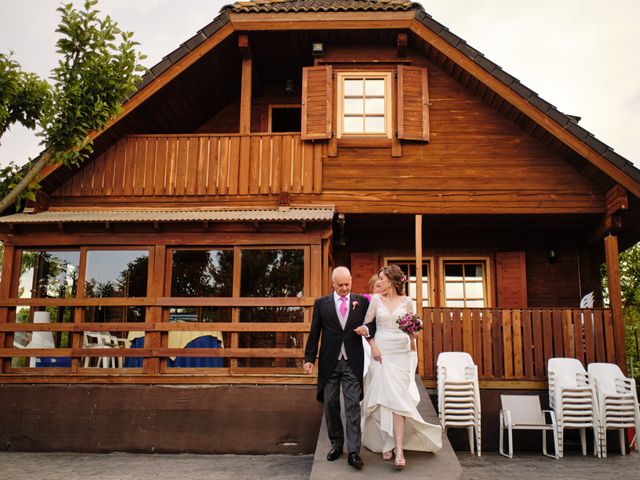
(413, 103)
(511, 277)
(316, 102)
(363, 265)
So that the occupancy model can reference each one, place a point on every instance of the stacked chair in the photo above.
(459, 395)
(572, 396)
(617, 402)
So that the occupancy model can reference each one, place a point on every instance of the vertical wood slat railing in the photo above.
(515, 344)
(201, 165)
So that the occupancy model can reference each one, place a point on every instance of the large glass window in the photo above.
(202, 273)
(271, 339)
(364, 103)
(117, 273)
(272, 273)
(464, 284)
(48, 274)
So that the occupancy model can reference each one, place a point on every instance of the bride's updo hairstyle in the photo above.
(396, 276)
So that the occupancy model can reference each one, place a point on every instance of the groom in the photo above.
(341, 362)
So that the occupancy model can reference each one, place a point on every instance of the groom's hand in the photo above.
(308, 368)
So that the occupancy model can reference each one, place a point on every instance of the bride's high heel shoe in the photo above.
(386, 456)
(400, 461)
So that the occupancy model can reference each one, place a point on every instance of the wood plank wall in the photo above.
(199, 165)
(514, 344)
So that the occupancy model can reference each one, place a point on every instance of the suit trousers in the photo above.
(351, 391)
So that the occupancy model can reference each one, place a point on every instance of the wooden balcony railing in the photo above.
(516, 343)
(201, 165)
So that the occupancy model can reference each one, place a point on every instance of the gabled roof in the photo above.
(288, 6)
(560, 125)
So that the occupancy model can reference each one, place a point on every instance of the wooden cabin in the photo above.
(162, 291)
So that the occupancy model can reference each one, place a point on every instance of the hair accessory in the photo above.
(404, 278)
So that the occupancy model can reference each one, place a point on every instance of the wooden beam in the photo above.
(419, 310)
(401, 45)
(245, 88)
(615, 297)
(542, 119)
(243, 45)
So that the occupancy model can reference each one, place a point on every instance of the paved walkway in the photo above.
(126, 466)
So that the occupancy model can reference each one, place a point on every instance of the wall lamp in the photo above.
(340, 240)
(552, 256)
(317, 49)
(288, 87)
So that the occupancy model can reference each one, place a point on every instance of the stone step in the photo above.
(442, 465)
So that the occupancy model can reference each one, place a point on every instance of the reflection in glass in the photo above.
(202, 273)
(464, 285)
(271, 339)
(103, 314)
(374, 124)
(374, 87)
(272, 273)
(43, 339)
(48, 274)
(353, 106)
(117, 273)
(199, 338)
(353, 87)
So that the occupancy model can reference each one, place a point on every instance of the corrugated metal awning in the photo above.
(282, 214)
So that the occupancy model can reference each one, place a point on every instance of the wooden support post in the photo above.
(401, 45)
(615, 297)
(245, 114)
(5, 292)
(419, 309)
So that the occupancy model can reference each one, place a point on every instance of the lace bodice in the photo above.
(384, 318)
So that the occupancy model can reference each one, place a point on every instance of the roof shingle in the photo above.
(291, 6)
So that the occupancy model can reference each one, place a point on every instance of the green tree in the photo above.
(630, 287)
(97, 71)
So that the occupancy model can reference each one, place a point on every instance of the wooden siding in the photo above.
(200, 165)
(511, 279)
(515, 344)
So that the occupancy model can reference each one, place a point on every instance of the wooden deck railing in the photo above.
(516, 343)
(201, 165)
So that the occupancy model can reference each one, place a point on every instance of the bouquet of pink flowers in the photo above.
(410, 324)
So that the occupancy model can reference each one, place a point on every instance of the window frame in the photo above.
(487, 277)
(387, 76)
(389, 260)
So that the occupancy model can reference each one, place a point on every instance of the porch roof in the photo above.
(282, 214)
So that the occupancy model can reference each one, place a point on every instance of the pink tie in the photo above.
(343, 306)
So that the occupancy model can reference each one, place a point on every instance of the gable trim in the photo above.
(555, 122)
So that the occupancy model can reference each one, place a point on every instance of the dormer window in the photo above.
(364, 104)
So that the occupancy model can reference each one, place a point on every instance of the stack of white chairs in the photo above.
(572, 396)
(617, 402)
(459, 395)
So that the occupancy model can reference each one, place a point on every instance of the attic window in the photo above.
(364, 104)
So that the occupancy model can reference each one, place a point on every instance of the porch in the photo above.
(510, 346)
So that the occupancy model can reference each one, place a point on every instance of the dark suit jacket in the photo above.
(326, 326)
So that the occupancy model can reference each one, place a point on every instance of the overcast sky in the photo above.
(579, 55)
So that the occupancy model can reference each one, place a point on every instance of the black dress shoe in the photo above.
(334, 454)
(355, 461)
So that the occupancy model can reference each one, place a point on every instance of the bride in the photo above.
(391, 421)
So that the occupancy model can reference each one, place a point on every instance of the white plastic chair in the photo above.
(99, 340)
(587, 301)
(459, 395)
(523, 412)
(617, 402)
(573, 399)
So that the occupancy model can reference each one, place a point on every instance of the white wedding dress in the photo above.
(390, 387)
